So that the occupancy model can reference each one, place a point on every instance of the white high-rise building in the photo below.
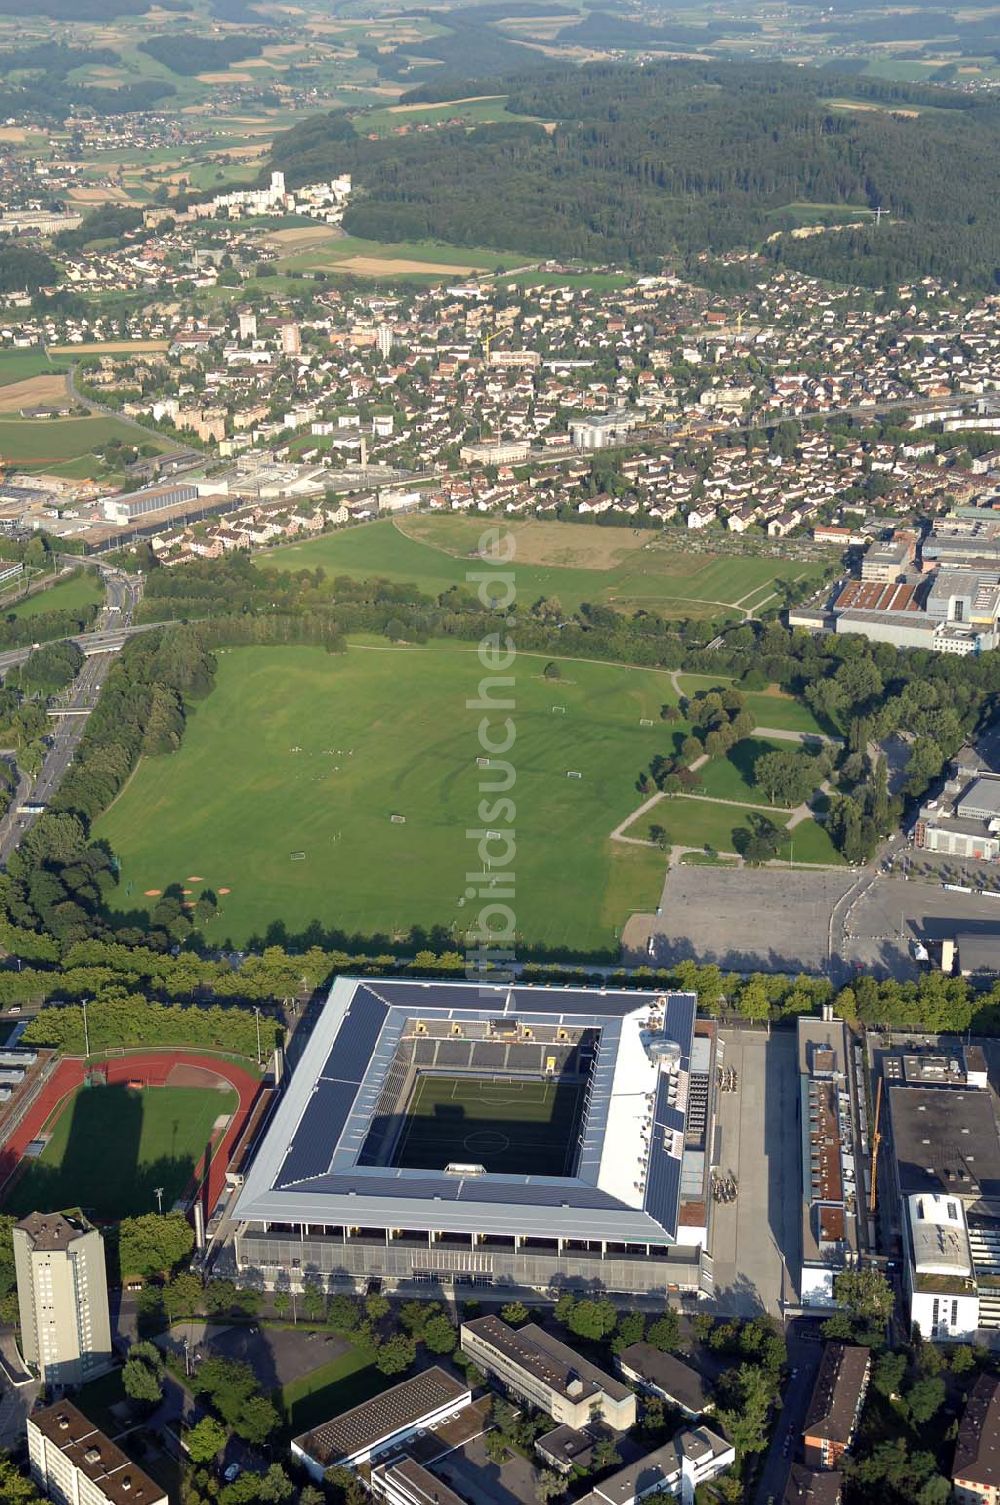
(62, 1292)
(291, 340)
(248, 324)
(278, 185)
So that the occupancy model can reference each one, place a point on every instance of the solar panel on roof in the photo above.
(356, 1039)
(317, 1134)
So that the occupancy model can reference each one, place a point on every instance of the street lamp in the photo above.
(257, 1016)
(86, 1032)
(158, 1194)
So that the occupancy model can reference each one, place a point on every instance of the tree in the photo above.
(924, 1399)
(514, 1313)
(887, 1375)
(660, 837)
(439, 1334)
(606, 1454)
(564, 1307)
(15, 1489)
(376, 1306)
(396, 1355)
(142, 1375)
(153, 1245)
(665, 1332)
(866, 1296)
(343, 1313)
(182, 1295)
(257, 1419)
(548, 1484)
(496, 1447)
(593, 1319)
(552, 670)
(205, 1440)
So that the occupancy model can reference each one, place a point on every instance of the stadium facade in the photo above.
(353, 1181)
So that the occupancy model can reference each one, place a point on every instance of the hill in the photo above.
(681, 157)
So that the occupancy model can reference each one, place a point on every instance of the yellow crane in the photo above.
(876, 1141)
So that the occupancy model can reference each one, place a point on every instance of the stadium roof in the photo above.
(628, 1173)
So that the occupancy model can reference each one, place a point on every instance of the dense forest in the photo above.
(44, 85)
(23, 269)
(187, 53)
(678, 158)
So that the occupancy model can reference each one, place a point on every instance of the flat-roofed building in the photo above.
(835, 1404)
(358, 1436)
(665, 1375)
(74, 1463)
(886, 560)
(532, 1365)
(941, 1277)
(975, 1470)
(407, 1482)
(829, 1189)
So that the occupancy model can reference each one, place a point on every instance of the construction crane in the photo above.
(876, 1141)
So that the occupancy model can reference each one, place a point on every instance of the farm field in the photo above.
(83, 589)
(350, 253)
(111, 1146)
(486, 110)
(623, 567)
(47, 443)
(21, 365)
(290, 770)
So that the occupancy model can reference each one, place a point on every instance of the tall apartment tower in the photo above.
(384, 340)
(291, 340)
(62, 1291)
(248, 324)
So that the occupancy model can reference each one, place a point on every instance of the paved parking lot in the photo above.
(756, 1239)
(890, 913)
(470, 1473)
(745, 919)
(276, 1355)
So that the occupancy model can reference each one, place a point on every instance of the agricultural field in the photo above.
(487, 109)
(425, 260)
(281, 797)
(83, 589)
(21, 365)
(111, 1146)
(64, 445)
(623, 567)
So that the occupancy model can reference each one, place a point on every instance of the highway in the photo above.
(100, 646)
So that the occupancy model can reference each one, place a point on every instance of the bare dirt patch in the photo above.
(109, 347)
(224, 78)
(375, 266)
(298, 237)
(444, 104)
(535, 543)
(33, 392)
(99, 195)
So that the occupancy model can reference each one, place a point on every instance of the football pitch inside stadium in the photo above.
(511, 1127)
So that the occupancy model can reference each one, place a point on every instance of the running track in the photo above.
(153, 1069)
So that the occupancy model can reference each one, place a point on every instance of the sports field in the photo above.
(289, 772)
(624, 567)
(510, 1127)
(112, 1146)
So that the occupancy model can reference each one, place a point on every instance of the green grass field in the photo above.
(110, 1147)
(19, 365)
(297, 751)
(40, 444)
(732, 777)
(626, 567)
(469, 112)
(510, 1127)
(770, 708)
(83, 589)
(700, 823)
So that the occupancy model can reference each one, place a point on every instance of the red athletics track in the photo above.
(152, 1069)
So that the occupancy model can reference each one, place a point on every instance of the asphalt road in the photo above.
(122, 597)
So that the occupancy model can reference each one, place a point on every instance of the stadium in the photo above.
(444, 1133)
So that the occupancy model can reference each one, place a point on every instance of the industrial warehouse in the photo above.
(456, 1134)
